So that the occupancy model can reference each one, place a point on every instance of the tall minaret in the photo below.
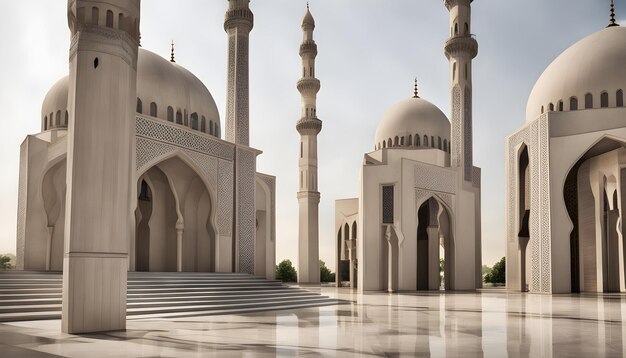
(309, 127)
(460, 49)
(238, 23)
(102, 99)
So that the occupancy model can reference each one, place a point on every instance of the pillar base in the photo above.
(94, 292)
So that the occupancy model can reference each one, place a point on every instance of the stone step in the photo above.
(32, 316)
(37, 295)
(30, 301)
(169, 306)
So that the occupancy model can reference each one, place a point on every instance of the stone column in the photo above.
(100, 163)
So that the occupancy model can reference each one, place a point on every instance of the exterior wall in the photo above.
(156, 141)
(265, 204)
(513, 254)
(37, 154)
(556, 141)
(536, 136)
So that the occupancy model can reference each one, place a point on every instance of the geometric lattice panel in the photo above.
(183, 137)
(434, 178)
(225, 192)
(246, 220)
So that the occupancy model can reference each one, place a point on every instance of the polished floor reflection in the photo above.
(491, 323)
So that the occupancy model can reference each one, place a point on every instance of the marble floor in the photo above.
(489, 323)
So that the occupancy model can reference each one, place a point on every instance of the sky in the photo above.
(369, 53)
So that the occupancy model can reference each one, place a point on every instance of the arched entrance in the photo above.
(173, 220)
(53, 195)
(593, 196)
(523, 212)
(435, 247)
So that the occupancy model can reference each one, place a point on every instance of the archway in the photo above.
(174, 220)
(435, 247)
(523, 213)
(53, 195)
(593, 195)
(353, 258)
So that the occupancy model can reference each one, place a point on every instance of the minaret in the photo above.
(309, 127)
(460, 49)
(238, 23)
(100, 162)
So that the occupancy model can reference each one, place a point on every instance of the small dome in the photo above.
(415, 117)
(159, 81)
(592, 66)
(55, 105)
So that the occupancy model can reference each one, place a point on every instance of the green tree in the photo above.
(5, 262)
(325, 274)
(497, 273)
(286, 272)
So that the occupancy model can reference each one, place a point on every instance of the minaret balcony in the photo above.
(309, 85)
(243, 18)
(461, 44)
(308, 48)
(309, 126)
(452, 3)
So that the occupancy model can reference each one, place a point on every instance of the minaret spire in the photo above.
(309, 126)
(172, 56)
(612, 21)
(460, 49)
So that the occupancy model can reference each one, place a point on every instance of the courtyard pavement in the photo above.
(487, 323)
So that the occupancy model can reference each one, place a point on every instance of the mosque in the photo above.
(419, 201)
(133, 171)
(566, 176)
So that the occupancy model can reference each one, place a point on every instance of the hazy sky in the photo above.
(369, 53)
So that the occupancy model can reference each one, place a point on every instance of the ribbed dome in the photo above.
(592, 66)
(413, 117)
(159, 81)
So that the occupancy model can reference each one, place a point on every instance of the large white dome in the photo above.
(581, 74)
(410, 119)
(160, 84)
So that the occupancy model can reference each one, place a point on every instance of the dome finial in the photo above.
(415, 89)
(307, 5)
(172, 59)
(612, 22)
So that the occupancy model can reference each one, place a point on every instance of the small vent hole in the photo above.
(95, 63)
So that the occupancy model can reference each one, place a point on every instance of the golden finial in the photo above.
(612, 22)
(172, 59)
(415, 89)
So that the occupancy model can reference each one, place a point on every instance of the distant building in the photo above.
(419, 199)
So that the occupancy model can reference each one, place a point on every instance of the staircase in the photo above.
(30, 295)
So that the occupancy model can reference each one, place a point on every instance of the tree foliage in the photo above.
(325, 274)
(286, 272)
(6, 262)
(497, 273)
